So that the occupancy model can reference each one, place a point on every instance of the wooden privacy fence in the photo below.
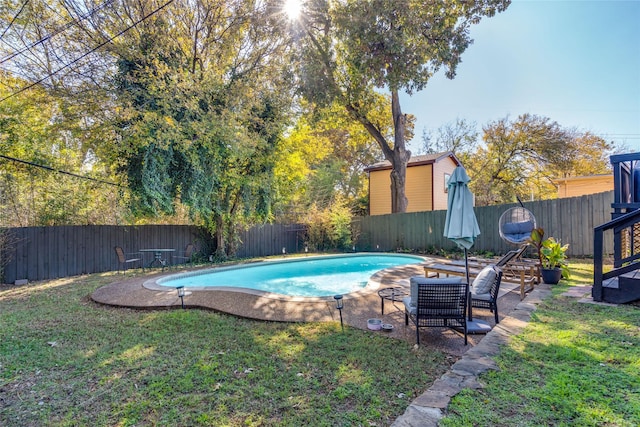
(271, 239)
(39, 253)
(571, 220)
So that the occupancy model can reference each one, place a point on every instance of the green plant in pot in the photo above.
(552, 255)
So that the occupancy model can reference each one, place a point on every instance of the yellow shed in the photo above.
(581, 185)
(425, 188)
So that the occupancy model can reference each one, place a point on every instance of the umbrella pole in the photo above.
(466, 268)
(474, 326)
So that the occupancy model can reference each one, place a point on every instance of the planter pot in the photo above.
(551, 276)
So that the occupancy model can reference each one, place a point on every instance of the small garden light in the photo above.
(339, 306)
(181, 294)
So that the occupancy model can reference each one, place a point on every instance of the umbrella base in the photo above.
(476, 326)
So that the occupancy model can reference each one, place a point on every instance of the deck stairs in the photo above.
(621, 285)
(622, 289)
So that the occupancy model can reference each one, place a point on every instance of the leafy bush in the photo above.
(329, 229)
(7, 242)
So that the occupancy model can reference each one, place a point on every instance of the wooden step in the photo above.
(623, 289)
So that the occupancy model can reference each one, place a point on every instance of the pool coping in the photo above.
(140, 293)
(374, 283)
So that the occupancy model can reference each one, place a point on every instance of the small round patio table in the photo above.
(395, 293)
(157, 256)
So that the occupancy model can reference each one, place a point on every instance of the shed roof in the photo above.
(423, 159)
(596, 177)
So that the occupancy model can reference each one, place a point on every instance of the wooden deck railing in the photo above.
(626, 252)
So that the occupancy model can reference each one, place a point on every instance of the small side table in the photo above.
(392, 294)
(157, 257)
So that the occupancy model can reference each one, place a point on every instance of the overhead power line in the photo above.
(55, 33)
(58, 170)
(14, 19)
(109, 40)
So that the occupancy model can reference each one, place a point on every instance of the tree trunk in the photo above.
(398, 158)
(221, 250)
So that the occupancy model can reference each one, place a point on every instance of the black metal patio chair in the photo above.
(437, 302)
(125, 259)
(488, 299)
(187, 257)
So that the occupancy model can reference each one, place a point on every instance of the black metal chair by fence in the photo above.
(437, 302)
(125, 259)
(187, 257)
(485, 294)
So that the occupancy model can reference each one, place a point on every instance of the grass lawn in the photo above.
(65, 360)
(574, 365)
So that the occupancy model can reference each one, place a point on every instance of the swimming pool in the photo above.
(299, 277)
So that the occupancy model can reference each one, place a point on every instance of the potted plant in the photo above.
(552, 255)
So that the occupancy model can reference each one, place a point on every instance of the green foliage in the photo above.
(322, 159)
(522, 157)
(552, 253)
(39, 128)
(348, 50)
(202, 131)
(329, 229)
(401, 45)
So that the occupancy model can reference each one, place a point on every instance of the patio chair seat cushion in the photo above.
(518, 231)
(483, 297)
(408, 305)
(411, 309)
(517, 227)
(483, 281)
(417, 280)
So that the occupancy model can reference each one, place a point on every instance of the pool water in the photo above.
(303, 277)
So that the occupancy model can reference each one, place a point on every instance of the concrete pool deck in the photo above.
(427, 409)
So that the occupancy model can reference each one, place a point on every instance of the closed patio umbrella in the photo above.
(461, 226)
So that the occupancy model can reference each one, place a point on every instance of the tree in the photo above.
(350, 49)
(326, 152)
(203, 107)
(586, 154)
(521, 158)
(47, 52)
(460, 137)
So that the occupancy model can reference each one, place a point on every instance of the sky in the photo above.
(576, 62)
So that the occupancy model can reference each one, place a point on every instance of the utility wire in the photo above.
(58, 170)
(56, 32)
(14, 19)
(88, 53)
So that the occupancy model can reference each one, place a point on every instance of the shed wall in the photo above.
(582, 186)
(419, 188)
